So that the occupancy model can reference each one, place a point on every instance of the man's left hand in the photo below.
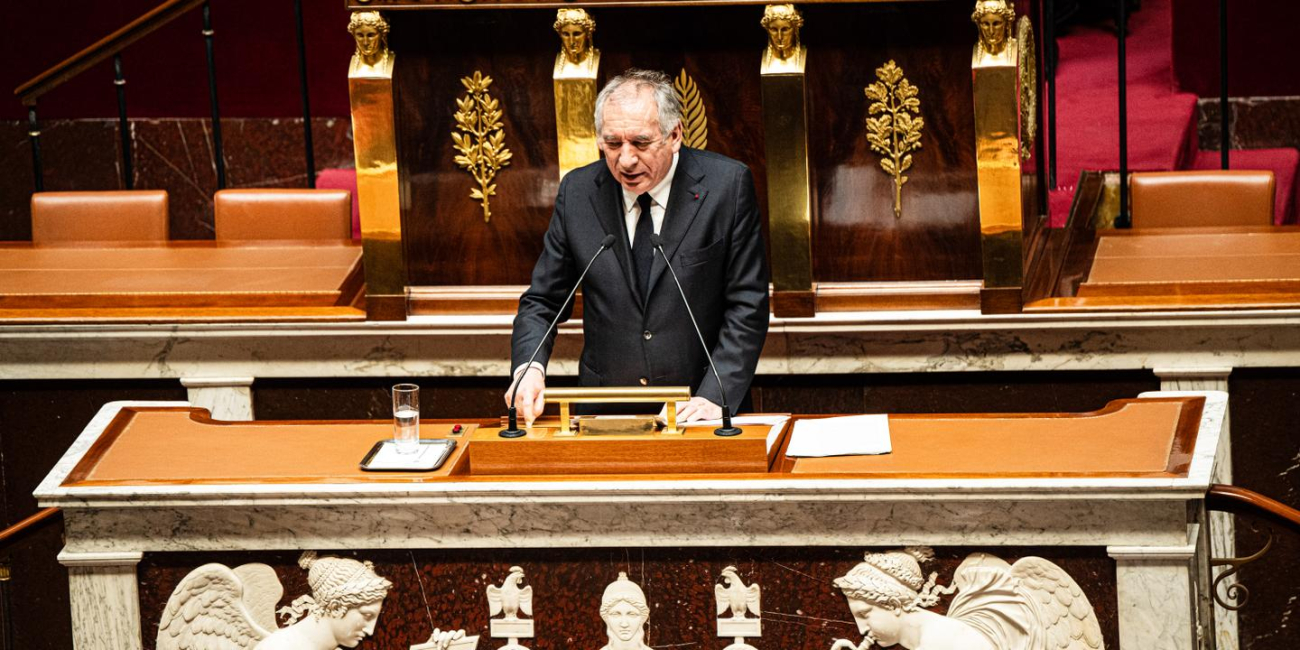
(697, 408)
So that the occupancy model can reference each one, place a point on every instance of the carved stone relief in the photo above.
(734, 596)
(998, 606)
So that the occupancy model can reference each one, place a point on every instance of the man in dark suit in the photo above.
(635, 327)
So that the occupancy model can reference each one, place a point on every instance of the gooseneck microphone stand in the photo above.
(513, 430)
(726, 430)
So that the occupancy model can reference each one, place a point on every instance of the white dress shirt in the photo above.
(658, 204)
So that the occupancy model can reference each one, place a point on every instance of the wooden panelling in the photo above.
(856, 237)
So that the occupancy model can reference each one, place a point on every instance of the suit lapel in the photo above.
(607, 202)
(683, 204)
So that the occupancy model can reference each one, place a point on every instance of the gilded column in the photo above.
(789, 183)
(374, 136)
(996, 84)
(575, 89)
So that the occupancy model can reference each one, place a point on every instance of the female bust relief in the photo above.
(578, 57)
(344, 604)
(370, 31)
(625, 612)
(783, 54)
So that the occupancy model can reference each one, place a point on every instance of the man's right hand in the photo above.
(530, 395)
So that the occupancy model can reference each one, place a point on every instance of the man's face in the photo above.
(624, 621)
(781, 34)
(573, 38)
(993, 30)
(636, 152)
(357, 624)
(367, 38)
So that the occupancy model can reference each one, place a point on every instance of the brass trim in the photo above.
(669, 395)
(790, 205)
(605, 394)
(574, 80)
(995, 80)
(370, 91)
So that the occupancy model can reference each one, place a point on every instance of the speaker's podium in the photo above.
(621, 444)
(1111, 498)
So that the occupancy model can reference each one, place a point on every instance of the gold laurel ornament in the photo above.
(895, 131)
(1028, 62)
(695, 122)
(480, 141)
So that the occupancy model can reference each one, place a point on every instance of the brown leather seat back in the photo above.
(121, 215)
(284, 214)
(1202, 198)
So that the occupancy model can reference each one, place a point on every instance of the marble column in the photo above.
(1222, 526)
(228, 398)
(105, 600)
(1156, 597)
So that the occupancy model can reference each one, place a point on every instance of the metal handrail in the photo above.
(1230, 498)
(106, 47)
(17, 531)
(112, 46)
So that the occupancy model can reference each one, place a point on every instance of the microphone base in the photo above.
(726, 432)
(513, 432)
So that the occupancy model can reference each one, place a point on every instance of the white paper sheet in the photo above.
(776, 422)
(850, 435)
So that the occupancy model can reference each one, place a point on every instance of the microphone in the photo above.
(726, 430)
(513, 431)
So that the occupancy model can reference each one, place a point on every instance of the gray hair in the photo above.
(670, 108)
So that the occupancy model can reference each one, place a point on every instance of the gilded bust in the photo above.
(994, 18)
(784, 53)
(372, 58)
(578, 57)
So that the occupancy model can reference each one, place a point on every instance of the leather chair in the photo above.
(283, 214)
(120, 215)
(1202, 198)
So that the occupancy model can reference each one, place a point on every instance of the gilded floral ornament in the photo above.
(480, 141)
(695, 122)
(894, 126)
(1028, 87)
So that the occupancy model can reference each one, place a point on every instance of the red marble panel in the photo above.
(169, 154)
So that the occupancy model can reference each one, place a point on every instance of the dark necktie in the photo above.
(643, 253)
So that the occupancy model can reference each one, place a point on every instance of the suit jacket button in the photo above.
(644, 381)
(647, 335)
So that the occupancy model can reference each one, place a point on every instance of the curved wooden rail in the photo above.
(1230, 498)
(28, 525)
(106, 47)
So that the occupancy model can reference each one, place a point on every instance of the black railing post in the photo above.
(6, 611)
(34, 136)
(212, 95)
(1122, 218)
(1049, 77)
(1225, 131)
(306, 101)
(123, 128)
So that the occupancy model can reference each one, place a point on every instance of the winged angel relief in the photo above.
(1030, 605)
(218, 608)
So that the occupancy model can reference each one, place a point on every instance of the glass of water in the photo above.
(406, 418)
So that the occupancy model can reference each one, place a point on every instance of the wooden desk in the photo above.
(1244, 262)
(95, 280)
(151, 477)
(1150, 437)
